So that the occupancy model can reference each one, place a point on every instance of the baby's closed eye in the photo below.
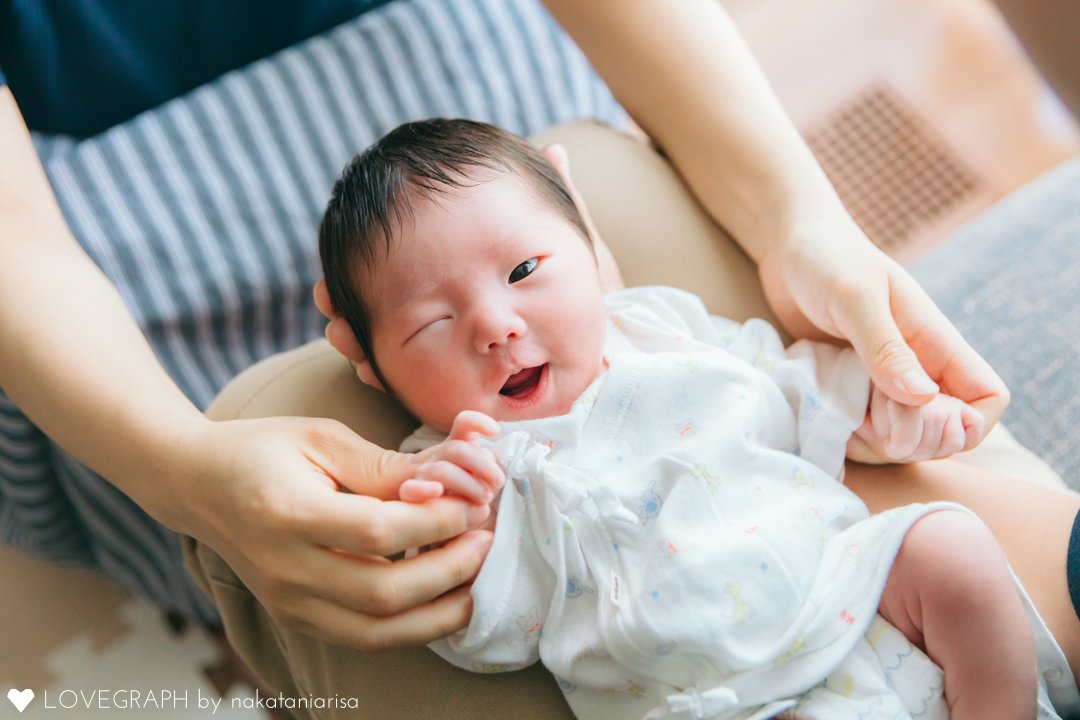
(428, 325)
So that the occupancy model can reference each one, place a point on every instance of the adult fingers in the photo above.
(355, 463)
(960, 371)
(863, 315)
(367, 526)
(337, 625)
(380, 587)
(362, 523)
(964, 375)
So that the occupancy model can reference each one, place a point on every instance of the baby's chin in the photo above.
(555, 409)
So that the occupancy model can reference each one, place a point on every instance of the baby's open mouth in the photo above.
(522, 382)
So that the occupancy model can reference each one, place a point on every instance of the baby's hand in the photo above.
(894, 432)
(460, 465)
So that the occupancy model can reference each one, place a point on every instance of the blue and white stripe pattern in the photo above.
(203, 214)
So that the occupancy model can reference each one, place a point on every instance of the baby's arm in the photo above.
(894, 432)
(460, 465)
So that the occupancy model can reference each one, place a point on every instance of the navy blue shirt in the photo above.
(78, 67)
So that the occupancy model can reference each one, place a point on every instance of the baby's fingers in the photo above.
(952, 436)
(418, 491)
(879, 413)
(472, 423)
(935, 425)
(962, 425)
(455, 480)
(477, 458)
(974, 426)
(464, 468)
(905, 431)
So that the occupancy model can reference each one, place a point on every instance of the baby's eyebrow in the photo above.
(395, 311)
(399, 299)
(403, 312)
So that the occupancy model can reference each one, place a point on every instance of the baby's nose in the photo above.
(496, 328)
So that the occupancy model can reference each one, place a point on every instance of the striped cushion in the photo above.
(203, 214)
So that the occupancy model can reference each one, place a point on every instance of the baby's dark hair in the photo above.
(377, 188)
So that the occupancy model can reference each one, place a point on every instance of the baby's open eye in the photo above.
(524, 270)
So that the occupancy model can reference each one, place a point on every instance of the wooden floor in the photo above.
(972, 119)
(66, 634)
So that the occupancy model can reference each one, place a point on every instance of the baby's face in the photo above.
(489, 301)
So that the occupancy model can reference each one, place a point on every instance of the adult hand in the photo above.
(726, 132)
(264, 493)
(271, 504)
(835, 283)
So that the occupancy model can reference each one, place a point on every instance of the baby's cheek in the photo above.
(434, 404)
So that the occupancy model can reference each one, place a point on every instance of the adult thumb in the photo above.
(361, 466)
(893, 365)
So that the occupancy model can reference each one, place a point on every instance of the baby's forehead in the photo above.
(423, 204)
(474, 216)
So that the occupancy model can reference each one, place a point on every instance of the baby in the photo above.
(674, 541)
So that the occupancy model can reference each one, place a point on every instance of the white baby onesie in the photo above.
(679, 544)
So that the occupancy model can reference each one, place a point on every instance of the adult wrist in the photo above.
(827, 221)
(172, 464)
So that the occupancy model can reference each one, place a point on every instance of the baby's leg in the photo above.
(951, 593)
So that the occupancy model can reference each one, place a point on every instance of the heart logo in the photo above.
(20, 698)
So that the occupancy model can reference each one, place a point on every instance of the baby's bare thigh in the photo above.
(949, 564)
(1032, 524)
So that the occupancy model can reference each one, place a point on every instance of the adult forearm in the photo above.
(686, 76)
(71, 356)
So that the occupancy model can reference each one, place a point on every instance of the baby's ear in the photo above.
(556, 155)
(610, 276)
(367, 375)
